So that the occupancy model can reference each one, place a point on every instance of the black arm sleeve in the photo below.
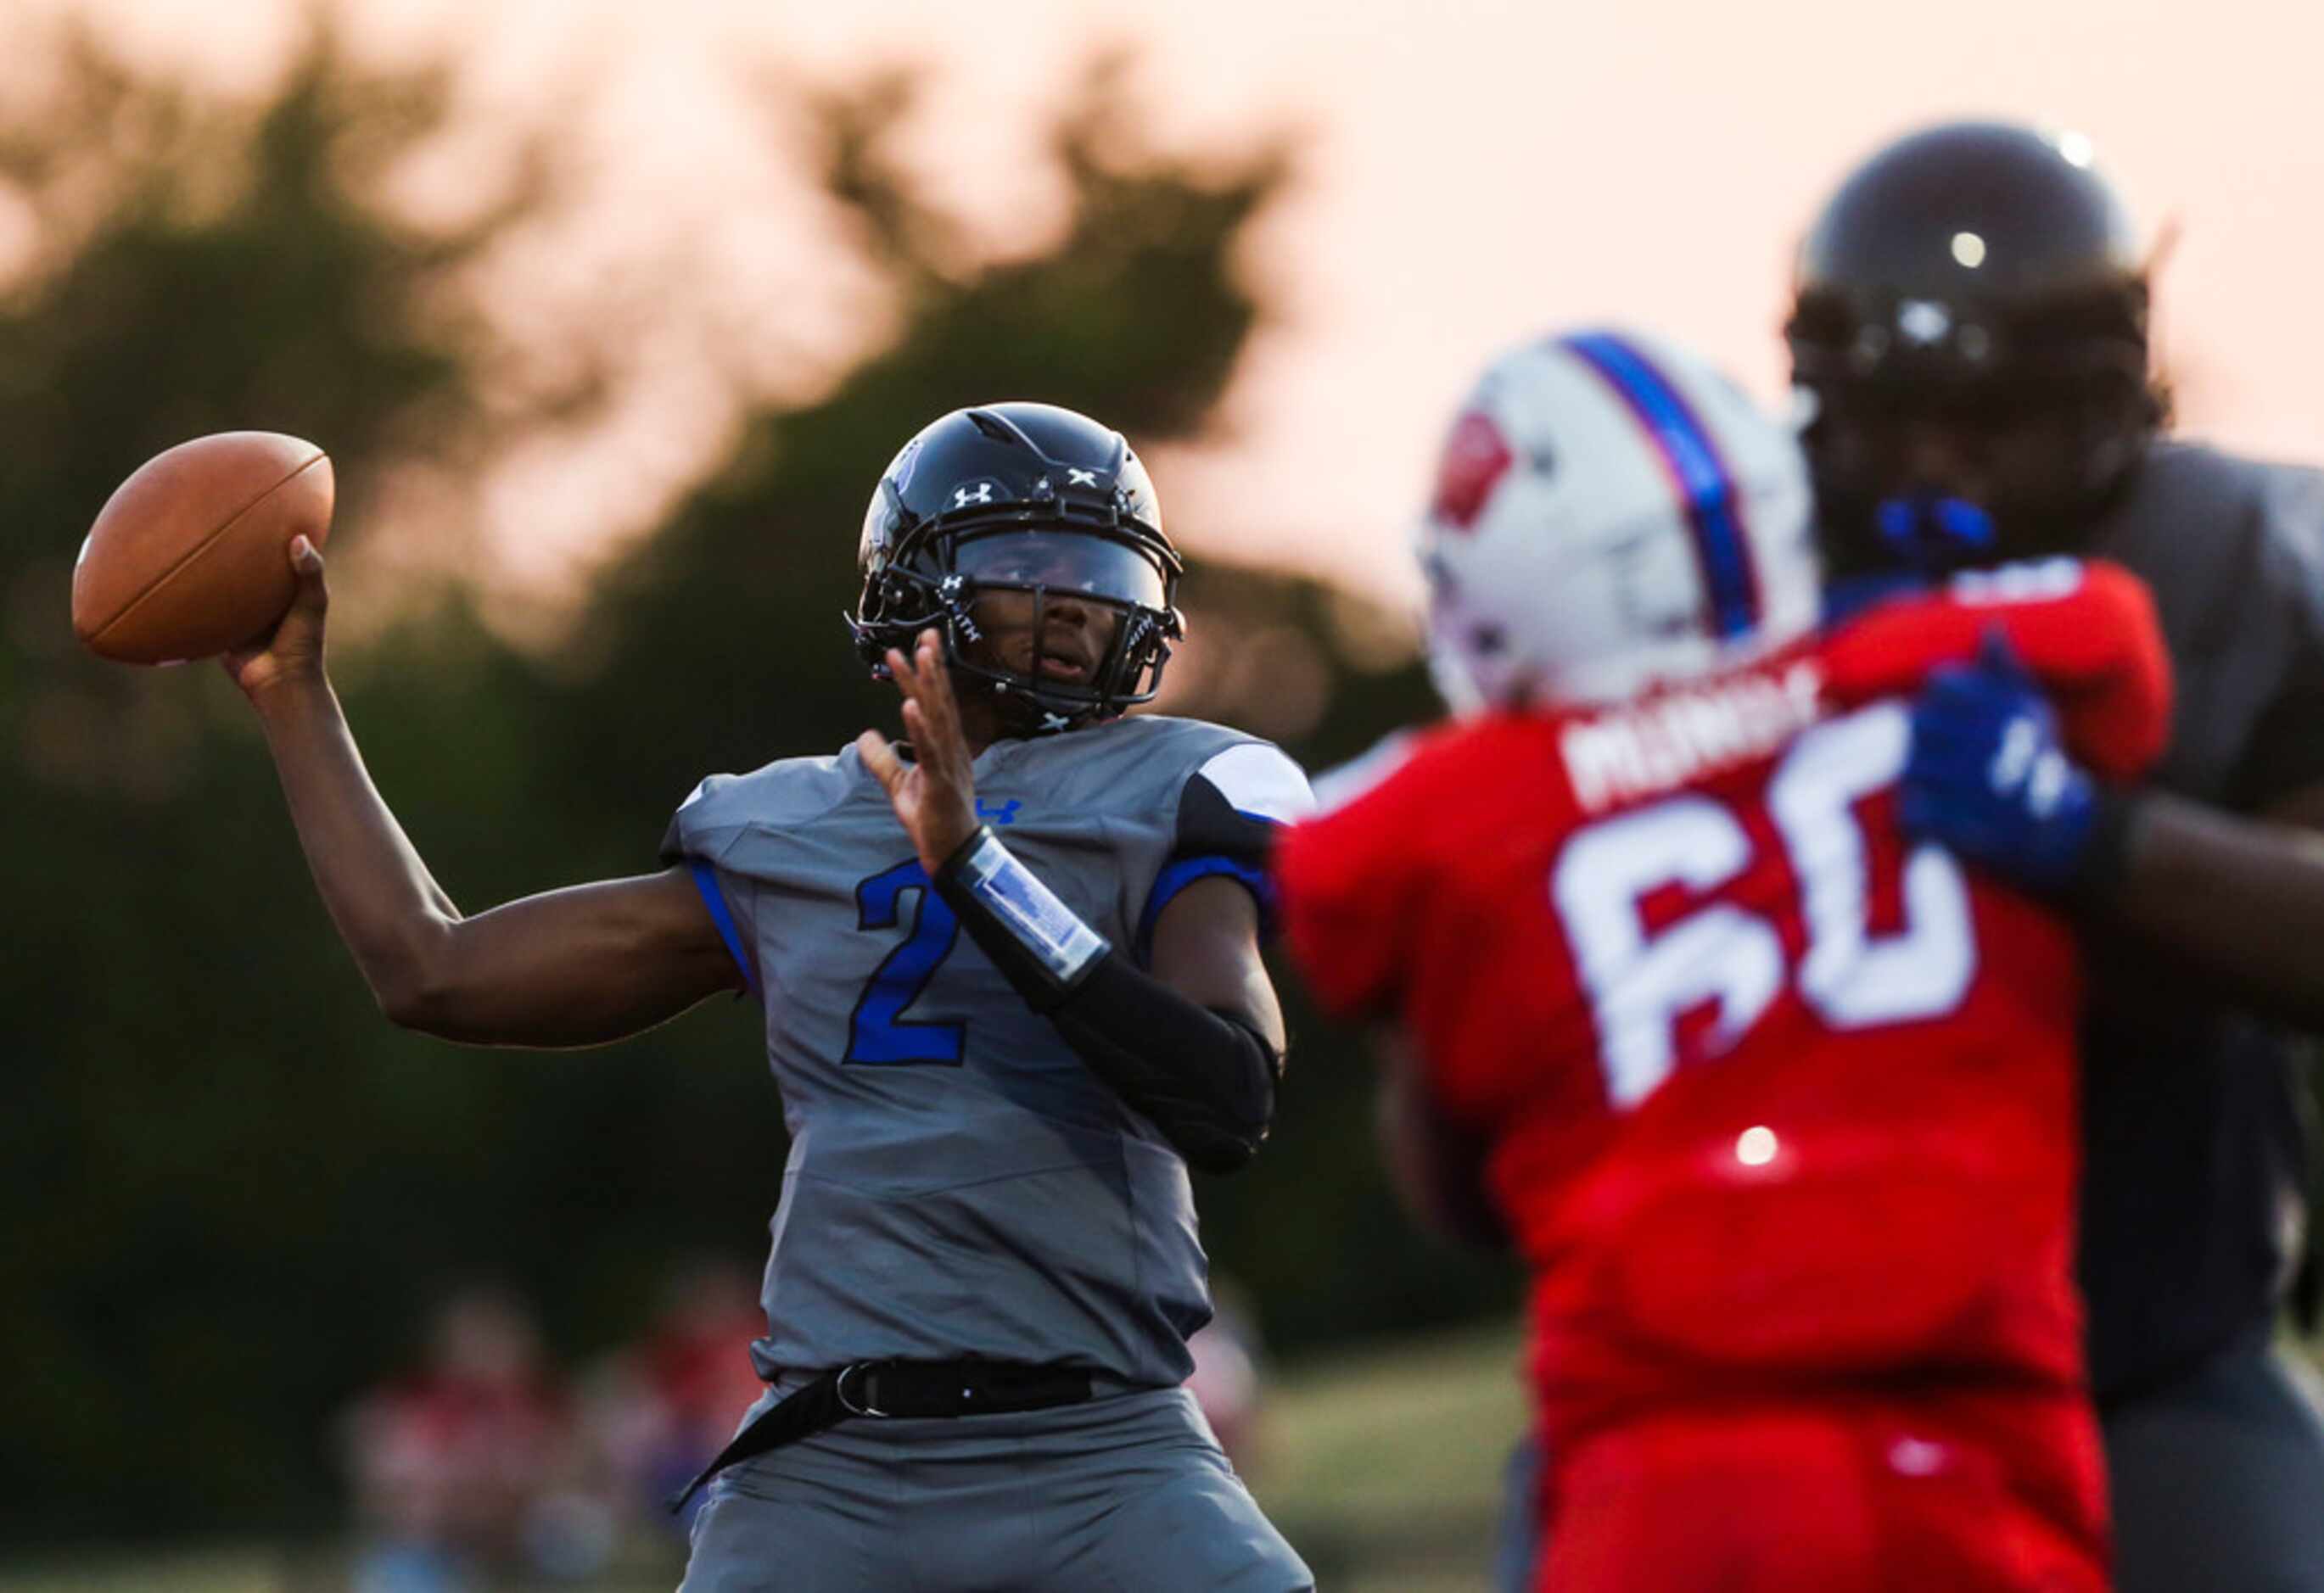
(1206, 1079)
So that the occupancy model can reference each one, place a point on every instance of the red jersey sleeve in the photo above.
(1351, 878)
(2086, 629)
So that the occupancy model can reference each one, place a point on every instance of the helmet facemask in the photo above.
(943, 572)
(1970, 330)
(2044, 405)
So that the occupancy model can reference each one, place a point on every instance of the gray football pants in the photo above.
(2218, 1479)
(1125, 1495)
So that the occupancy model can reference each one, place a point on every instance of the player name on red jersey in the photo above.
(1644, 748)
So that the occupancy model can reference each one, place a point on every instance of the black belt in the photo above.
(915, 1388)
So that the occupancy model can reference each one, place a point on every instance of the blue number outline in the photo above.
(878, 1033)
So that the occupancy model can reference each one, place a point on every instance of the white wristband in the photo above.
(1031, 913)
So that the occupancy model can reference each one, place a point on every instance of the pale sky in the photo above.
(1476, 171)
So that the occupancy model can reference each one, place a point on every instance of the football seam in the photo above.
(204, 546)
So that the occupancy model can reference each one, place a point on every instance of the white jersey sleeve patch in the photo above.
(1260, 780)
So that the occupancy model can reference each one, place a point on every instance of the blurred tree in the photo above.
(236, 1190)
(192, 1097)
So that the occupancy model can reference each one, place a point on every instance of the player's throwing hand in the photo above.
(293, 649)
(935, 793)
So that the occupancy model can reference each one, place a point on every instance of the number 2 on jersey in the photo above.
(1639, 986)
(877, 1031)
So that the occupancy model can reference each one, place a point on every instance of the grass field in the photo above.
(1382, 1465)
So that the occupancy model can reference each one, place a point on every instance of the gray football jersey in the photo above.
(2234, 549)
(2195, 1148)
(959, 1182)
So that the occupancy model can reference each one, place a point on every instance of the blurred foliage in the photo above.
(235, 1191)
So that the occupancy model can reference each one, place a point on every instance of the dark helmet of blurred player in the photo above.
(1027, 498)
(1969, 335)
(1610, 514)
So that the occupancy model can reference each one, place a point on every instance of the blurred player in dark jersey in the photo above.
(1777, 1106)
(1004, 1028)
(1971, 331)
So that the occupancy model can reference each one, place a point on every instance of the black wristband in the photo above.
(1039, 944)
(2100, 871)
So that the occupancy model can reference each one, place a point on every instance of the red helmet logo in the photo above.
(1475, 459)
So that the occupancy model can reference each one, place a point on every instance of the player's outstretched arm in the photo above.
(571, 967)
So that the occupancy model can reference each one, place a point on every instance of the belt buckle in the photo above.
(839, 1387)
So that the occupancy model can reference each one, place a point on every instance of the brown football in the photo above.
(189, 555)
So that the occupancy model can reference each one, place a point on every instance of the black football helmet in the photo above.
(1980, 284)
(1031, 498)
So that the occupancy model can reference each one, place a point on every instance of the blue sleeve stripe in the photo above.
(705, 881)
(1185, 872)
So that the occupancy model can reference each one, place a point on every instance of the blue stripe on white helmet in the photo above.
(1611, 512)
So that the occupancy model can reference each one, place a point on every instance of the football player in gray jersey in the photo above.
(1970, 333)
(1012, 992)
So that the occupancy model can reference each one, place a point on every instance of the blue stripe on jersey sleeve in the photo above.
(1183, 872)
(705, 881)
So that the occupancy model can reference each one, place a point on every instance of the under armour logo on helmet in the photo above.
(962, 497)
(1080, 478)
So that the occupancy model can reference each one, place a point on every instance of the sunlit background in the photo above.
(1467, 172)
(683, 273)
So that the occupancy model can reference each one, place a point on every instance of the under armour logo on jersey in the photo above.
(998, 813)
(1075, 477)
(982, 492)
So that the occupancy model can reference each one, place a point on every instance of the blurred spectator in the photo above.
(462, 1473)
(665, 1406)
(1225, 1381)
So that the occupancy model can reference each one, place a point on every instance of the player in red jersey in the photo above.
(1777, 1104)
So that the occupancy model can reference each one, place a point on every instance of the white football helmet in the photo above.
(1611, 512)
